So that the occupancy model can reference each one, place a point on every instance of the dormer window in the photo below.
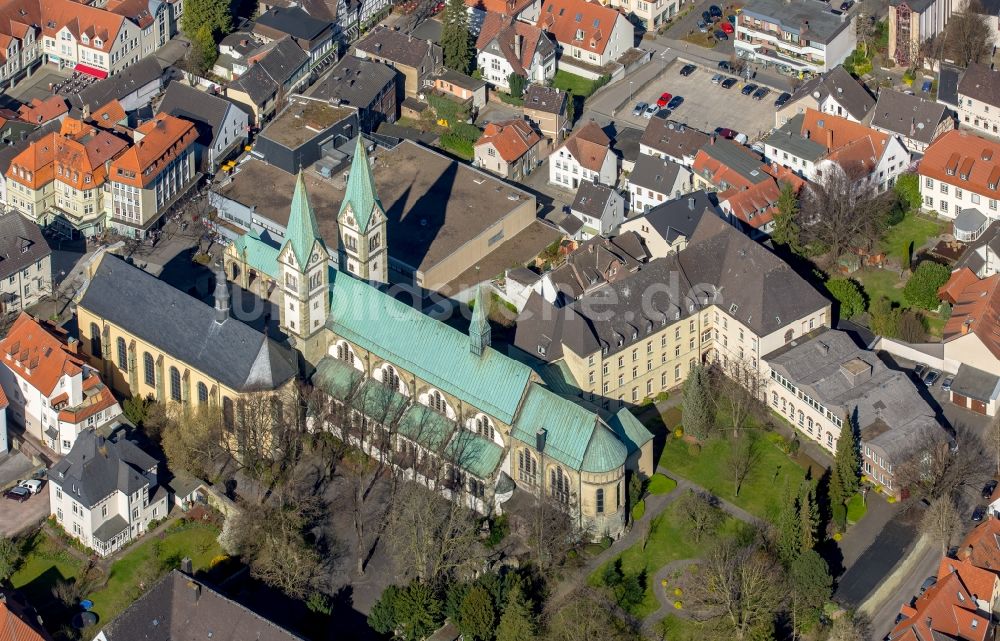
(950, 171)
(965, 176)
(635, 334)
(993, 185)
(579, 34)
(98, 43)
(84, 39)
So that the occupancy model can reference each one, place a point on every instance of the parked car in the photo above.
(725, 66)
(728, 28)
(675, 102)
(728, 83)
(662, 114)
(731, 19)
(702, 26)
(989, 488)
(761, 93)
(715, 11)
(928, 583)
(663, 99)
(650, 110)
(978, 513)
(931, 377)
(717, 78)
(32, 485)
(17, 493)
(782, 99)
(720, 35)
(748, 89)
(946, 383)
(920, 369)
(846, 5)
(687, 70)
(725, 132)
(927, 86)
(707, 17)
(640, 107)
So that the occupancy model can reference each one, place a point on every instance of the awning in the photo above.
(92, 71)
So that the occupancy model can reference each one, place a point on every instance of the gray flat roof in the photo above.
(303, 120)
(354, 81)
(793, 15)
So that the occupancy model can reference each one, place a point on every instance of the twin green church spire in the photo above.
(302, 232)
(361, 196)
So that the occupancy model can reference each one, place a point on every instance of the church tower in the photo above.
(304, 272)
(363, 247)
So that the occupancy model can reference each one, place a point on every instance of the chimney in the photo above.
(540, 439)
(86, 112)
(518, 45)
(965, 552)
(221, 294)
(691, 203)
(186, 566)
(966, 326)
(195, 588)
(829, 138)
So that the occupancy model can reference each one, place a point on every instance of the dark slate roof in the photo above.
(990, 7)
(651, 172)
(975, 383)
(206, 111)
(981, 83)
(680, 217)
(592, 198)
(973, 256)
(843, 86)
(354, 81)
(181, 608)
(812, 19)
(948, 77)
(789, 138)
(674, 139)
(265, 78)
(547, 99)
(906, 115)
(397, 46)
(231, 352)
(21, 244)
(111, 528)
(625, 141)
(293, 21)
(116, 87)
(97, 467)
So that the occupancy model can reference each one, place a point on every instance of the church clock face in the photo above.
(314, 258)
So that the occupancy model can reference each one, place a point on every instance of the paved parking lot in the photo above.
(706, 105)
(17, 517)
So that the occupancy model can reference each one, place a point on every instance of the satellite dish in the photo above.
(816, 95)
(920, 125)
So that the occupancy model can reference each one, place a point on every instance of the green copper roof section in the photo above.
(258, 254)
(302, 231)
(336, 377)
(425, 347)
(361, 193)
(474, 454)
(569, 427)
(379, 403)
(629, 430)
(430, 429)
(480, 312)
(604, 452)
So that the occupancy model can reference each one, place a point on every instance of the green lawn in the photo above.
(667, 542)
(856, 508)
(660, 484)
(674, 628)
(881, 282)
(47, 562)
(638, 510)
(572, 83)
(709, 468)
(914, 229)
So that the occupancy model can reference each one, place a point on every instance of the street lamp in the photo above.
(630, 91)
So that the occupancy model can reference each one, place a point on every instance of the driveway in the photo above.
(875, 564)
(495, 112)
(17, 517)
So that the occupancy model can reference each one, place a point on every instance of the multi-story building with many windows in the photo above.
(960, 180)
(797, 36)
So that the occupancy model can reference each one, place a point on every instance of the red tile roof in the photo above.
(850, 144)
(80, 19)
(163, 139)
(511, 138)
(982, 584)
(96, 397)
(947, 608)
(499, 7)
(981, 547)
(3, 399)
(589, 146)
(977, 311)
(35, 353)
(75, 156)
(964, 160)
(957, 282)
(41, 111)
(15, 628)
(567, 19)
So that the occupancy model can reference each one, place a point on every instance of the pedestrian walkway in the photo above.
(666, 603)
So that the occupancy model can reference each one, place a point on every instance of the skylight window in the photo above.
(579, 17)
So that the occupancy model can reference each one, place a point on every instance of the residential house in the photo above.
(981, 547)
(635, 337)
(674, 141)
(813, 143)
(59, 179)
(982, 253)
(655, 180)
(39, 112)
(835, 92)
(374, 89)
(508, 148)
(313, 35)
(417, 60)
(588, 35)
(479, 10)
(666, 228)
(507, 46)
(586, 156)
(222, 126)
(947, 610)
(979, 98)
(25, 263)
(983, 584)
(179, 604)
(134, 87)
(547, 108)
(600, 208)
(51, 391)
(801, 36)
(18, 620)
(959, 173)
(272, 76)
(971, 338)
(915, 121)
(462, 87)
(912, 23)
(352, 17)
(235, 51)
(105, 492)
(149, 176)
(651, 15)
(753, 209)
(824, 383)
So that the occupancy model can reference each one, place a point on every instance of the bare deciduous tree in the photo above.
(937, 466)
(701, 515)
(743, 457)
(550, 532)
(738, 393)
(585, 615)
(842, 211)
(940, 521)
(192, 440)
(968, 37)
(992, 440)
